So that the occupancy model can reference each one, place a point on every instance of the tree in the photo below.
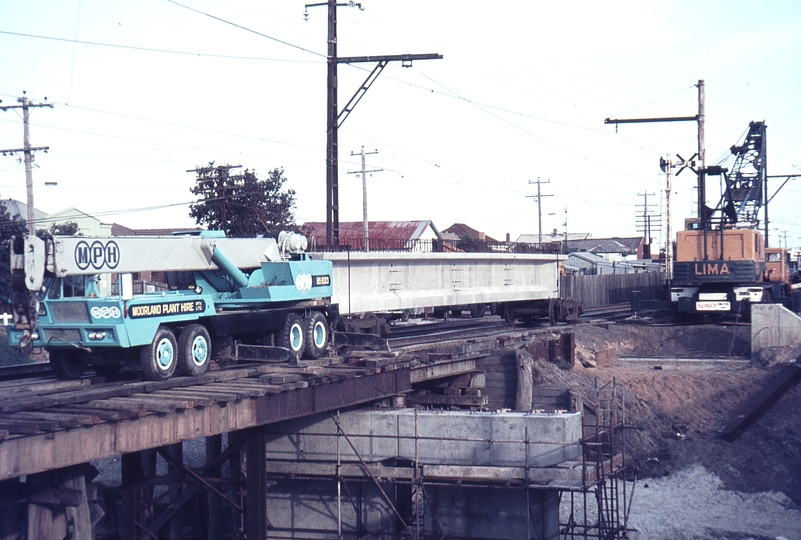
(68, 228)
(10, 226)
(242, 205)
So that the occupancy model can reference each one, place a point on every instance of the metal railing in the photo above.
(433, 246)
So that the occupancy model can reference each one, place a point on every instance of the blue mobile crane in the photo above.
(77, 297)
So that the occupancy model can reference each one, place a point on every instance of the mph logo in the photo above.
(97, 255)
(105, 312)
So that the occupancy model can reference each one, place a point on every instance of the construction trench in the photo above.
(425, 460)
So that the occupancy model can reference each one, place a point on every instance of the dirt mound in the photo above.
(674, 416)
(633, 340)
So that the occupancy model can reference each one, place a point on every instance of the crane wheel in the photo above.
(67, 365)
(194, 350)
(317, 334)
(159, 359)
(292, 334)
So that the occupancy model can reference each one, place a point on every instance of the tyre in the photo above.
(160, 357)
(477, 311)
(292, 334)
(194, 350)
(67, 365)
(316, 336)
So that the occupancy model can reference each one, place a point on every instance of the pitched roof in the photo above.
(622, 245)
(551, 237)
(589, 257)
(384, 230)
(121, 230)
(19, 208)
(464, 232)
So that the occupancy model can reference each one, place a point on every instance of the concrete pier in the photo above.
(477, 475)
(773, 325)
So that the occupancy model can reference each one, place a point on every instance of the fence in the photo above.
(608, 289)
(430, 246)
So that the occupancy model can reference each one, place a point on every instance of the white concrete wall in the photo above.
(443, 438)
(773, 325)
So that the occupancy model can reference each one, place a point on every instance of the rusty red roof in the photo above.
(466, 232)
(379, 230)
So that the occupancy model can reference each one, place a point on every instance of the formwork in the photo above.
(598, 506)
(433, 474)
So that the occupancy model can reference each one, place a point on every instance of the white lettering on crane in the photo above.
(105, 312)
(303, 282)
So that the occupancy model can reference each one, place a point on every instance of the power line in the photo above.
(246, 29)
(162, 122)
(110, 212)
(149, 49)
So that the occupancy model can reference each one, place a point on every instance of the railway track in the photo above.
(23, 371)
(423, 334)
(610, 312)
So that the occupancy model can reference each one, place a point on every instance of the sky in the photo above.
(145, 91)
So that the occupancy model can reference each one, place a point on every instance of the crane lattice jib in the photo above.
(745, 184)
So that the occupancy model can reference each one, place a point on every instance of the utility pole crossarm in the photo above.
(787, 178)
(335, 118)
(363, 172)
(648, 120)
(539, 197)
(27, 151)
(31, 149)
(387, 58)
(382, 62)
(368, 82)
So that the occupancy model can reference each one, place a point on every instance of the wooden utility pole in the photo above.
(217, 180)
(668, 228)
(700, 118)
(27, 151)
(703, 213)
(646, 225)
(539, 197)
(364, 171)
(335, 118)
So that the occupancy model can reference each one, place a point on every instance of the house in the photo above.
(383, 235)
(551, 237)
(121, 230)
(612, 249)
(460, 231)
(87, 225)
(590, 264)
(20, 209)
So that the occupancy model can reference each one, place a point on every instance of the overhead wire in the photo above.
(40, 221)
(550, 143)
(246, 29)
(154, 50)
(484, 107)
